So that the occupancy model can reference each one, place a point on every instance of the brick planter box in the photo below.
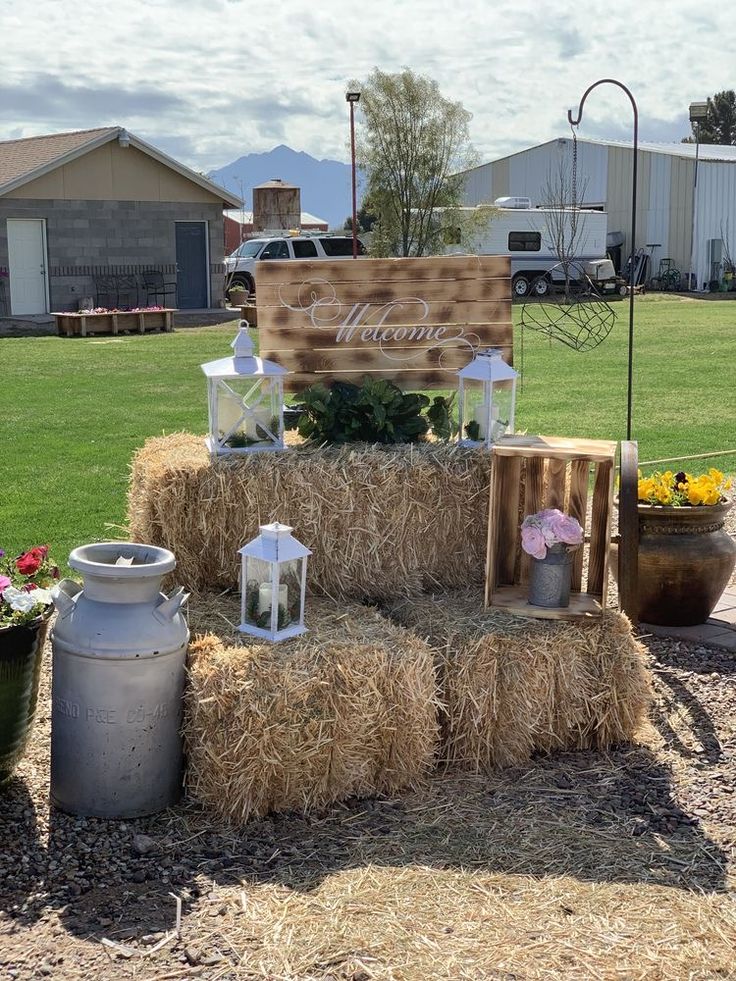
(82, 324)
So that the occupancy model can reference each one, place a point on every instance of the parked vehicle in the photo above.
(240, 265)
(516, 229)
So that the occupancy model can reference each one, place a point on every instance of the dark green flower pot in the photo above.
(21, 651)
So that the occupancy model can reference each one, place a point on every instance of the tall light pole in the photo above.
(353, 98)
(698, 115)
(632, 257)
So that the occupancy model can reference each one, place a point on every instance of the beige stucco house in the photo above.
(102, 208)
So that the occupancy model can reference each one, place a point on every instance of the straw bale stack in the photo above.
(382, 522)
(346, 709)
(512, 686)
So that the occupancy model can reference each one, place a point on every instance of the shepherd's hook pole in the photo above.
(355, 196)
(576, 122)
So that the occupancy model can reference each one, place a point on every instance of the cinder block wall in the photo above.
(94, 235)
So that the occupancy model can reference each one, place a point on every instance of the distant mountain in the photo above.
(325, 184)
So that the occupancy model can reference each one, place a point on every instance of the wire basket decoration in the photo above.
(582, 320)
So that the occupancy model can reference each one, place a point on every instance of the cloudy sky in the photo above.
(210, 80)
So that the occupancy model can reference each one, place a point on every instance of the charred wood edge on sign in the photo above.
(332, 320)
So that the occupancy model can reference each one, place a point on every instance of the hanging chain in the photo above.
(574, 167)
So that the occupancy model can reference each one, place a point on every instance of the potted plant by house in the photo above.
(237, 294)
(25, 609)
(551, 538)
(686, 557)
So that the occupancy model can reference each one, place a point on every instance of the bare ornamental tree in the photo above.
(561, 198)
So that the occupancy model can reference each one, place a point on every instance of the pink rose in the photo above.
(566, 529)
(533, 542)
(5, 581)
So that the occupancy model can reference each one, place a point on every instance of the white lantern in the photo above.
(246, 400)
(273, 583)
(486, 399)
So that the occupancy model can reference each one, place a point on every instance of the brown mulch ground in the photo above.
(576, 866)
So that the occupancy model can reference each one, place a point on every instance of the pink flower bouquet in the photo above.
(549, 527)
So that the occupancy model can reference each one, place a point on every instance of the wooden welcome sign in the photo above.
(413, 321)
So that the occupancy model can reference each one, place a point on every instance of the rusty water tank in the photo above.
(276, 206)
(119, 648)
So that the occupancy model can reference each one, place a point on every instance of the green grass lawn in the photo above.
(72, 411)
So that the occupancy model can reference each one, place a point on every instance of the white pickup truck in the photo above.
(240, 265)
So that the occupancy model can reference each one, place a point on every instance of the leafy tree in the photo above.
(412, 144)
(366, 218)
(719, 126)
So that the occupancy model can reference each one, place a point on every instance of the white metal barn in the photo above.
(666, 190)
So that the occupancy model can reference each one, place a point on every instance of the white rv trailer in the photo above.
(526, 234)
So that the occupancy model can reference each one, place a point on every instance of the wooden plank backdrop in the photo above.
(413, 321)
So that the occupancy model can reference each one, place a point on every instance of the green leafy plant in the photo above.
(472, 431)
(440, 418)
(375, 412)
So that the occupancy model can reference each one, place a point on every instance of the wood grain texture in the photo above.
(560, 447)
(554, 492)
(451, 268)
(410, 312)
(507, 518)
(381, 290)
(600, 528)
(514, 599)
(415, 319)
(533, 502)
(628, 527)
(577, 507)
(553, 475)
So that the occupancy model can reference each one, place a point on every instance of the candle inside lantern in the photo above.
(480, 415)
(229, 415)
(259, 417)
(265, 597)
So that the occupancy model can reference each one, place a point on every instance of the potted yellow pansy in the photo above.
(686, 556)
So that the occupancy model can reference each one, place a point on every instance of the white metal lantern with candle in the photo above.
(486, 399)
(273, 584)
(246, 400)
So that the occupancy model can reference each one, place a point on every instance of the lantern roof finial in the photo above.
(242, 345)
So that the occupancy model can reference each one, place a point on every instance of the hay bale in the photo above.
(346, 709)
(381, 522)
(512, 686)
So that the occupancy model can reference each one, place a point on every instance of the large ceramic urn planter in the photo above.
(686, 558)
(21, 652)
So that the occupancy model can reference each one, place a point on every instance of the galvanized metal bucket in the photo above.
(549, 578)
(119, 649)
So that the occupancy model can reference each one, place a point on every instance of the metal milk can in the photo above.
(119, 648)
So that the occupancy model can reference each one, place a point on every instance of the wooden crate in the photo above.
(535, 472)
(140, 321)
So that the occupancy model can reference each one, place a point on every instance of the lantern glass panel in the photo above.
(487, 410)
(247, 411)
(259, 592)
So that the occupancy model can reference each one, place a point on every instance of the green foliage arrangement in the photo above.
(439, 415)
(375, 412)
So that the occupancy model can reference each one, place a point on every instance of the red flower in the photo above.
(30, 562)
(29, 587)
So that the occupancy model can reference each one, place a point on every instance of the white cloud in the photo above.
(211, 80)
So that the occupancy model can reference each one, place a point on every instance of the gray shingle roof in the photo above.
(21, 157)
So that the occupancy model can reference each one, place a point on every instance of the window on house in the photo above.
(525, 241)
